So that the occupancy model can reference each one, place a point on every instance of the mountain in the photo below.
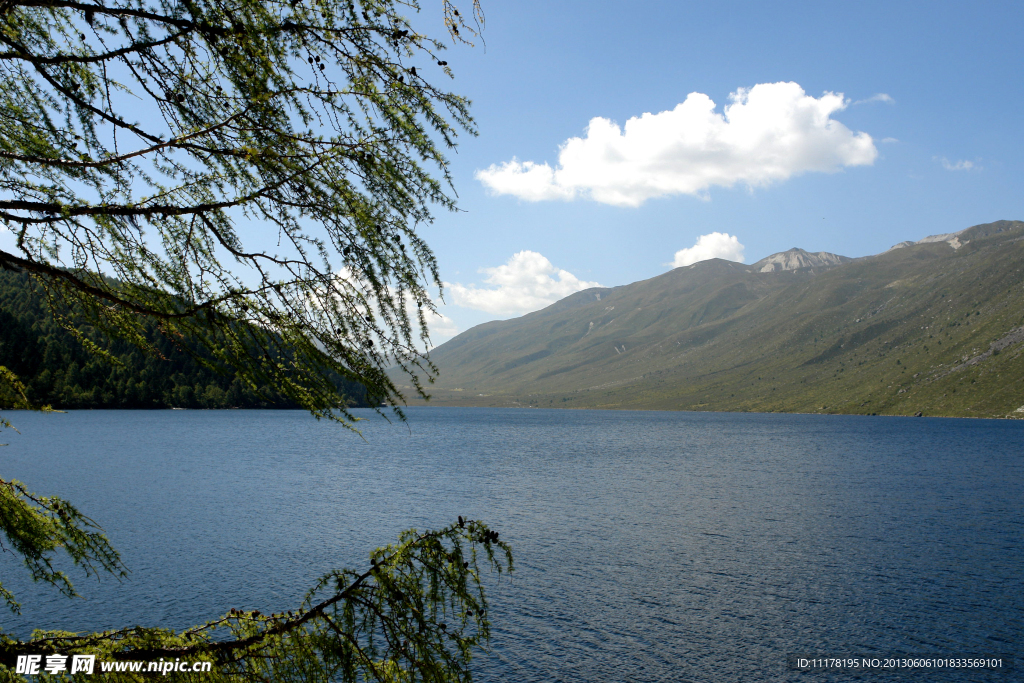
(57, 370)
(933, 326)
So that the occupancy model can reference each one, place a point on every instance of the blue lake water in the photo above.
(649, 546)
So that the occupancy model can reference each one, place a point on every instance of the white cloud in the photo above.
(527, 282)
(766, 134)
(962, 165)
(526, 180)
(889, 141)
(713, 245)
(879, 97)
(440, 327)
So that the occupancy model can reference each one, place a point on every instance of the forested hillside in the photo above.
(58, 370)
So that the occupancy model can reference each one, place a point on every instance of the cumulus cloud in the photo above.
(527, 282)
(766, 134)
(879, 97)
(526, 180)
(713, 245)
(440, 327)
(962, 165)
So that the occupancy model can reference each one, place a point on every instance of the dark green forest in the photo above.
(58, 370)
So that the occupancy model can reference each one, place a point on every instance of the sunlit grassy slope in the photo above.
(924, 328)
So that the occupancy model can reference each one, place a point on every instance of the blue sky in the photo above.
(861, 126)
(947, 138)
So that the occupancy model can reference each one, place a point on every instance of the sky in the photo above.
(619, 140)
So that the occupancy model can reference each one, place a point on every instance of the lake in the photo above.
(649, 546)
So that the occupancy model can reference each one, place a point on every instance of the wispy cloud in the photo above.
(438, 325)
(713, 245)
(527, 282)
(888, 141)
(441, 328)
(961, 165)
(766, 134)
(879, 97)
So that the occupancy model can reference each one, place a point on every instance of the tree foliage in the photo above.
(202, 162)
(416, 613)
(244, 179)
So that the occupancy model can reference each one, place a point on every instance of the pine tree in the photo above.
(248, 178)
(203, 163)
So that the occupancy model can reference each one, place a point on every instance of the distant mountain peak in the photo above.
(950, 238)
(798, 259)
(901, 245)
(961, 237)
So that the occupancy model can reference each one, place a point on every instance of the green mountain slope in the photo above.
(57, 370)
(933, 327)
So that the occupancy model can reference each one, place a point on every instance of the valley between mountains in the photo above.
(933, 327)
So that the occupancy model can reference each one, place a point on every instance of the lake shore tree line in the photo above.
(59, 370)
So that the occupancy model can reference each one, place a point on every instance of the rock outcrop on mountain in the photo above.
(798, 259)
